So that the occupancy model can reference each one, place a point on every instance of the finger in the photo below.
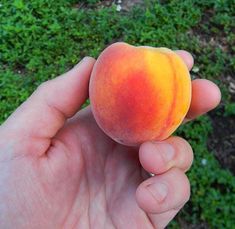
(45, 111)
(186, 57)
(165, 192)
(158, 157)
(205, 97)
(205, 94)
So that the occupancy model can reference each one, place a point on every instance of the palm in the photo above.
(89, 171)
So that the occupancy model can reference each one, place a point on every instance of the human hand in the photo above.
(59, 170)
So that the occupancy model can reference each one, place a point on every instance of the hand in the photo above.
(59, 170)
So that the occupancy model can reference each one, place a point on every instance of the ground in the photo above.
(222, 140)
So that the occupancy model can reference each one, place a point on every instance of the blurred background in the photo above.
(40, 39)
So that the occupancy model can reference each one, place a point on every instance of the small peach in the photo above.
(139, 94)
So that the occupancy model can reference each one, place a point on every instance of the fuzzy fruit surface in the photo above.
(140, 93)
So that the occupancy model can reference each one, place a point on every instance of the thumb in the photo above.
(40, 117)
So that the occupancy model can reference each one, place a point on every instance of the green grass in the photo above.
(41, 39)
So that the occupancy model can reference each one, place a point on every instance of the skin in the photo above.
(59, 170)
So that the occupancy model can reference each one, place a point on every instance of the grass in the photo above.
(41, 39)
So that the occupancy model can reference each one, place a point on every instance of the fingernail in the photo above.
(82, 61)
(158, 191)
(167, 151)
(86, 58)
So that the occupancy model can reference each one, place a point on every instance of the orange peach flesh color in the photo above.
(139, 94)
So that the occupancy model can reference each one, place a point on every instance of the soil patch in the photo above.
(222, 140)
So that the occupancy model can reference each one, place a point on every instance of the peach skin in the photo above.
(139, 94)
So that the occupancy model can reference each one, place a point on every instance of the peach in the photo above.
(139, 94)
